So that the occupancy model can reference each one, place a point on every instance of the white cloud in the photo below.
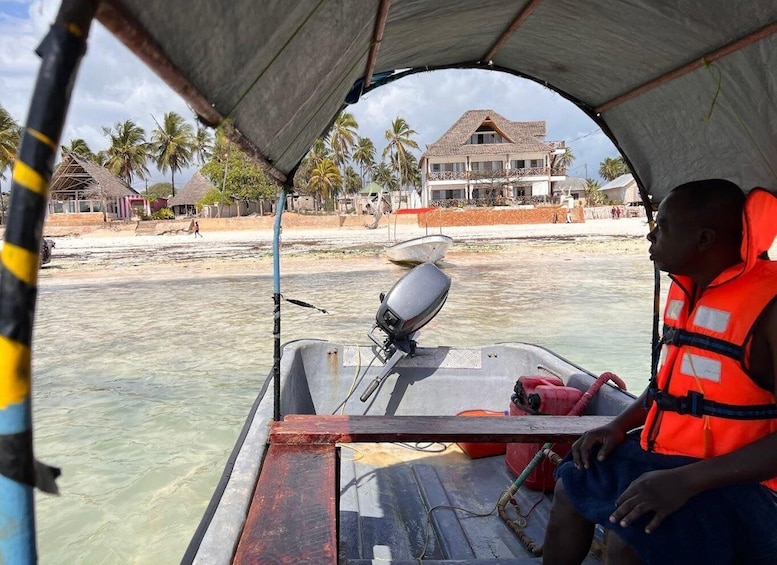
(113, 86)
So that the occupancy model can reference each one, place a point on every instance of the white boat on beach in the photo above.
(424, 249)
(336, 463)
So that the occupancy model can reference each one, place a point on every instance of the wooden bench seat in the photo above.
(293, 514)
(313, 429)
(294, 511)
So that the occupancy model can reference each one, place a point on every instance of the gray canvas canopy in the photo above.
(684, 88)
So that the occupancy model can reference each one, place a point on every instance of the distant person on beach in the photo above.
(569, 216)
(688, 472)
(613, 212)
(197, 230)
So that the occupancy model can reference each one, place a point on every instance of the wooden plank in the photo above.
(314, 429)
(293, 514)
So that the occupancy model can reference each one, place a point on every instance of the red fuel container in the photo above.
(478, 450)
(545, 395)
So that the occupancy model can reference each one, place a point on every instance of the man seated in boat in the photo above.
(696, 484)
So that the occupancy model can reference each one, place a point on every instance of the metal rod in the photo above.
(522, 16)
(377, 37)
(61, 52)
(697, 63)
(276, 281)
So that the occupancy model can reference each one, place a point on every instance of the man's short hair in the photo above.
(714, 203)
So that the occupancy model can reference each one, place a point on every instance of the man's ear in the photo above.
(707, 238)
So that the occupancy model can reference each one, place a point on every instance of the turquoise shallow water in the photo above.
(141, 389)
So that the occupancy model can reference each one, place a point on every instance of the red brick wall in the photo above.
(498, 216)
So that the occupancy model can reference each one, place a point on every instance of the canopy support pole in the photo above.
(61, 52)
(276, 281)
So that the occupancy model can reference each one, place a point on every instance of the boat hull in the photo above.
(424, 249)
(316, 379)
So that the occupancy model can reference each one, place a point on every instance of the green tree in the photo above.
(10, 133)
(562, 161)
(128, 152)
(593, 195)
(384, 176)
(158, 190)
(324, 179)
(78, 147)
(352, 181)
(172, 144)
(235, 174)
(203, 144)
(317, 153)
(101, 158)
(342, 138)
(612, 167)
(400, 141)
(364, 155)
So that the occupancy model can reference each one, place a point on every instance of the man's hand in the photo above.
(662, 492)
(609, 437)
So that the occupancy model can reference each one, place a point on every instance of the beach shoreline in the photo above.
(90, 257)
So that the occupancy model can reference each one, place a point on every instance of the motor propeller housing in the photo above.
(413, 301)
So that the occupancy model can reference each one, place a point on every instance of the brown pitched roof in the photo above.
(192, 191)
(77, 173)
(524, 136)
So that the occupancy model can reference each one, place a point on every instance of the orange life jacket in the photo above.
(703, 403)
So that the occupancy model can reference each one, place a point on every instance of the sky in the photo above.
(113, 86)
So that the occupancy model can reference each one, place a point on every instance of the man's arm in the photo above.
(611, 435)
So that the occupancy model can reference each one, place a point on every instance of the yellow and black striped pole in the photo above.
(60, 51)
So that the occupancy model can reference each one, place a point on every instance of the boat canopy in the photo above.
(684, 88)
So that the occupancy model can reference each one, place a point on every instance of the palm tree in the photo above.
(128, 153)
(364, 155)
(563, 161)
(78, 147)
(593, 195)
(398, 138)
(352, 182)
(324, 179)
(384, 176)
(172, 144)
(342, 138)
(611, 168)
(318, 152)
(203, 144)
(10, 132)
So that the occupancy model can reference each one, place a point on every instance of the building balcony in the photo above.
(509, 174)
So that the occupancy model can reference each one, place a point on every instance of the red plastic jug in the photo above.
(545, 395)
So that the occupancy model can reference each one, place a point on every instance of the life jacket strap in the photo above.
(694, 404)
(679, 337)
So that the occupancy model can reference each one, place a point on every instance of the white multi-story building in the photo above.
(486, 158)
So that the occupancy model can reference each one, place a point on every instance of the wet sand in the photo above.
(146, 257)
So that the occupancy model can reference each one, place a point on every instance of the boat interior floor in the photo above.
(402, 502)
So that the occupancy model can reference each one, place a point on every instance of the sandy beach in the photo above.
(219, 253)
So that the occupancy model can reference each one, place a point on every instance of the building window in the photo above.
(447, 194)
(487, 165)
(537, 163)
(517, 164)
(451, 167)
(485, 137)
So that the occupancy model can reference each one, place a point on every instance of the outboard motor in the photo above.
(410, 304)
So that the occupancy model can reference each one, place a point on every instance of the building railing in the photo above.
(489, 202)
(497, 174)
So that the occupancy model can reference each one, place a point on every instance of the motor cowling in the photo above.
(413, 301)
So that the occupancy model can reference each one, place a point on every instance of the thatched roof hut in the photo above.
(76, 178)
(192, 192)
